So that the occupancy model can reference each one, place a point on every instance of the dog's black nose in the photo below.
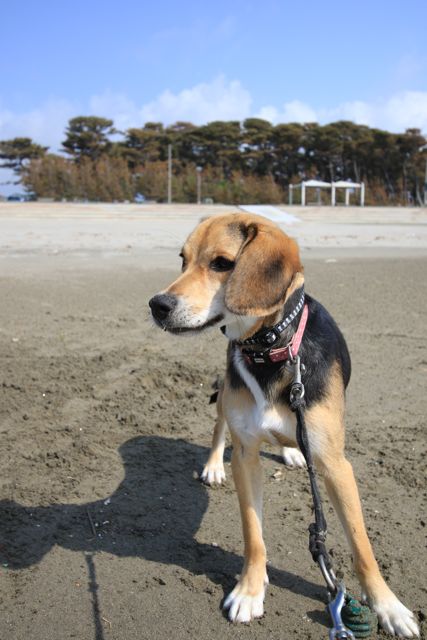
(161, 305)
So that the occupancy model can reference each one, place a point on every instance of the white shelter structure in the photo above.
(333, 186)
(348, 185)
(307, 184)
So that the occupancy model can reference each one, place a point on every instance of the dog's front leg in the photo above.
(326, 435)
(342, 489)
(246, 601)
(214, 472)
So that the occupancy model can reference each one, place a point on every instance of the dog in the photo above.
(243, 274)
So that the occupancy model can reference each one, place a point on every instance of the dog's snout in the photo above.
(161, 305)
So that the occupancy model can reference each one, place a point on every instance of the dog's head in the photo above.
(236, 270)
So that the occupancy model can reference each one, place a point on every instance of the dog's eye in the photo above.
(184, 261)
(221, 264)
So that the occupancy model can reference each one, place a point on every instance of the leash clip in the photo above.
(297, 388)
(338, 631)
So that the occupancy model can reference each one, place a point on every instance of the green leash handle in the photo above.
(359, 618)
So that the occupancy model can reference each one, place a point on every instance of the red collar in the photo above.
(282, 353)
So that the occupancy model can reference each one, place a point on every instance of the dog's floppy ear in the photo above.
(265, 266)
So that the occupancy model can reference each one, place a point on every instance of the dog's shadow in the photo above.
(157, 496)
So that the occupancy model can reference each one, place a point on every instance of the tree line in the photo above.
(253, 161)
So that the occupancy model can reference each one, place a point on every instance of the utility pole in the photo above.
(169, 174)
(199, 184)
(424, 148)
(425, 185)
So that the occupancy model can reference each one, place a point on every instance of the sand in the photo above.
(105, 530)
(160, 229)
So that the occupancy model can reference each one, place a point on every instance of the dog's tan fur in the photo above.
(253, 295)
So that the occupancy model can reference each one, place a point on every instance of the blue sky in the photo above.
(136, 61)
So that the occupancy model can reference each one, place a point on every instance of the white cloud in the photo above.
(294, 111)
(399, 112)
(218, 100)
(406, 109)
(358, 111)
(205, 102)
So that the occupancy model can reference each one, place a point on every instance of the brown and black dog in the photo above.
(240, 272)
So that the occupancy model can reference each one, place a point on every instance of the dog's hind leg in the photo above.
(246, 601)
(213, 472)
(326, 435)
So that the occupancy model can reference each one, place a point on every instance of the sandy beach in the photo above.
(159, 229)
(106, 532)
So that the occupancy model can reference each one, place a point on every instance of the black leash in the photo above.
(318, 529)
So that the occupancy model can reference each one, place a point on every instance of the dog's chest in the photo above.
(257, 420)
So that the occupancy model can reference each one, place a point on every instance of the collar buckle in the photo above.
(272, 336)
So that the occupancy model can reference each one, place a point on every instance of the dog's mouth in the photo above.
(177, 330)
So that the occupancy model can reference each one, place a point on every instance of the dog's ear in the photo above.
(265, 267)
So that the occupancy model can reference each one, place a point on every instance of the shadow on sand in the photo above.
(158, 495)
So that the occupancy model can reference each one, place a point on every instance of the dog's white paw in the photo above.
(213, 473)
(293, 457)
(395, 618)
(243, 607)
